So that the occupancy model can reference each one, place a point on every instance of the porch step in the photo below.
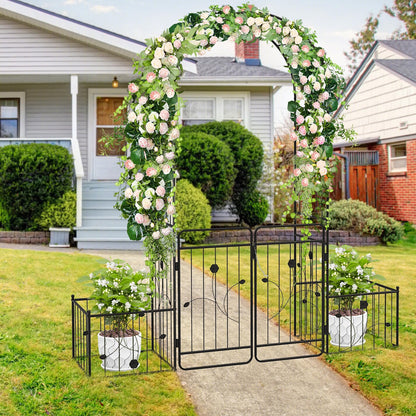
(102, 226)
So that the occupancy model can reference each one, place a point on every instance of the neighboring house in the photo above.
(381, 108)
(56, 78)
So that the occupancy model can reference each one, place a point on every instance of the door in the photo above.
(105, 159)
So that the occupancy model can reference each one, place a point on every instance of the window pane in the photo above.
(198, 109)
(398, 165)
(233, 109)
(8, 128)
(9, 107)
(194, 122)
(398, 150)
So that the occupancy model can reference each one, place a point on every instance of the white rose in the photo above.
(153, 116)
(298, 40)
(156, 63)
(265, 27)
(131, 117)
(146, 203)
(293, 33)
(172, 59)
(286, 31)
(149, 193)
(128, 193)
(159, 54)
(156, 235)
(250, 21)
(204, 15)
(168, 47)
(259, 21)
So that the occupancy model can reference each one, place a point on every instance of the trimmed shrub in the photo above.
(248, 155)
(61, 213)
(254, 208)
(354, 215)
(208, 164)
(32, 175)
(192, 211)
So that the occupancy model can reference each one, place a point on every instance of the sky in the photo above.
(335, 21)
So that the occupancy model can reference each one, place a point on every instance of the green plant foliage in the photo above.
(357, 216)
(253, 208)
(208, 164)
(61, 213)
(31, 176)
(192, 212)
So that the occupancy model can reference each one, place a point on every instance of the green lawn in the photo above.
(386, 376)
(37, 373)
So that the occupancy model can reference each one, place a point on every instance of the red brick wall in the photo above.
(398, 191)
(245, 50)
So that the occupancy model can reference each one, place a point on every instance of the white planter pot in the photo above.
(120, 354)
(347, 331)
(59, 237)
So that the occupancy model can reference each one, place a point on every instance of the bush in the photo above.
(61, 213)
(31, 176)
(192, 211)
(354, 215)
(248, 155)
(254, 208)
(208, 164)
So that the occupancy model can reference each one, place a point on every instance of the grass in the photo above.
(387, 377)
(37, 373)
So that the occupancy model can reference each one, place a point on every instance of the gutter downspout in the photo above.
(347, 174)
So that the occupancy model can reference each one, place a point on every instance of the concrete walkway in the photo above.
(301, 387)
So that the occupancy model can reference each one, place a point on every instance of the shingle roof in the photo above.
(210, 67)
(403, 67)
(407, 46)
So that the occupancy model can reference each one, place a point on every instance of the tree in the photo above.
(403, 10)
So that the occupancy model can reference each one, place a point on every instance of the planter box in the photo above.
(59, 237)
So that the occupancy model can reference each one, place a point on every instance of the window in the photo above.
(202, 107)
(397, 158)
(9, 117)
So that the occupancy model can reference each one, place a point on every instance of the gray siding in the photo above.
(261, 117)
(25, 49)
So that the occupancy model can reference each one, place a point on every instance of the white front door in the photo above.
(104, 161)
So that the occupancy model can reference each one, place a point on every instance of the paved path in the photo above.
(303, 387)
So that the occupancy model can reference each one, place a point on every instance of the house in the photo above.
(61, 80)
(381, 108)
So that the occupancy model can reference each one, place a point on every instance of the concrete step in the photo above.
(89, 244)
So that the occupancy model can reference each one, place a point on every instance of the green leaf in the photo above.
(130, 131)
(332, 104)
(126, 207)
(174, 27)
(137, 155)
(134, 231)
(292, 106)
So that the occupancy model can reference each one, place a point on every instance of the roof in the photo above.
(404, 67)
(227, 69)
(405, 46)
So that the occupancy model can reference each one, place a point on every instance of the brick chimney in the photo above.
(248, 53)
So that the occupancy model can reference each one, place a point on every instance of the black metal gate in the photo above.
(251, 294)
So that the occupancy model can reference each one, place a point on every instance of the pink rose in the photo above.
(150, 77)
(166, 169)
(320, 140)
(170, 155)
(150, 127)
(133, 88)
(170, 92)
(313, 128)
(295, 48)
(307, 89)
(325, 95)
(278, 30)
(300, 154)
(316, 105)
(309, 168)
(245, 29)
(139, 218)
(323, 171)
(302, 130)
(303, 80)
(128, 193)
(143, 142)
(213, 40)
(163, 128)
(166, 231)
(128, 164)
(139, 176)
(160, 190)
(306, 63)
(155, 95)
(300, 119)
(320, 164)
(160, 159)
(293, 136)
(164, 73)
(146, 203)
(151, 171)
(177, 43)
(137, 193)
(164, 114)
(172, 60)
(142, 100)
(159, 204)
(297, 172)
(321, 53)
(174, 134)
(316, 86)
(305, 48)
(170, 210)
(314, 155)
(203, 42)
(226, 28)
(239, 20)
(219, 19)
(303, 143)
(305, 182)
(226, 9)
(156, 235)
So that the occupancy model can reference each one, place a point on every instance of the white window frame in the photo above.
(219, 98)
(22, 109)
(391, 170)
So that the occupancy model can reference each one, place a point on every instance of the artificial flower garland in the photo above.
(147, 183)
